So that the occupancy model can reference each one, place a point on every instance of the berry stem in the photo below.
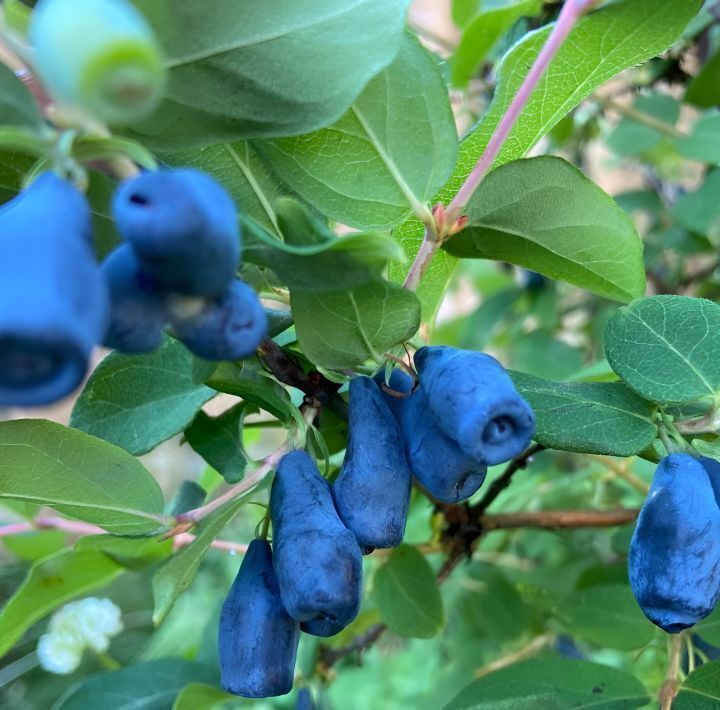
(669, 688)
(452, 219)
(570, 14)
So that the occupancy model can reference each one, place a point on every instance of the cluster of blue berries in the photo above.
(674, 562)
(176, 266)
(463, 416)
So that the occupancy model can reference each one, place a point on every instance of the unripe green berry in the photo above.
(100, 55)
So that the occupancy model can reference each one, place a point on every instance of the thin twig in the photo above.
(537, 644)
(570, 14)
(638, 116)
(620, 470)
(559, 519)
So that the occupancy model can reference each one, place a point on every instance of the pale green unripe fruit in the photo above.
(100, 55)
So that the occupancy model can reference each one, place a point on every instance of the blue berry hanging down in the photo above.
(55, 305)
(257, 638)
(317, 559)
(138, 304)
(183, 227)
(446, 472)
(372, 492)
(475, 403)
(674, 562)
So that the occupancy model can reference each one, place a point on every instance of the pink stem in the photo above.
(569, 16)
(16, 529)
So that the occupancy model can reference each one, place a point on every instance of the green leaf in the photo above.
(700, 690)
(131, 553)
(139, 401)
(151, 685)
(78, 475)
(17, 105)
(699, 211)
(545, 215)
(665, 348)
(606, 615)
(51, 582)
(219, 441)
(178, 573)
(635, 30)
(198, 696)
(704, 89)
(35, 545)
(312, 258)
(392, 150)
(593, 417)
(703, 144)
(407, 595)
(631, 138)
(248, 380)
(346, 328)
(273, 68)
(555, 684)
(483, 33)
(709, 628)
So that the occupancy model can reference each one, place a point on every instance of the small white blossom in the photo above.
(58, 653)
(87, 623)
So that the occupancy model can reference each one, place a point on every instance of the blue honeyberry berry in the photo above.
(230, 327)
(372, 491)
(184, 228)
(475, 403)
(304, 700)
(55, 305)
(317, 559)
(138, 304)
(257, 638)
(674, 561)
(100, 55)
(441, 467)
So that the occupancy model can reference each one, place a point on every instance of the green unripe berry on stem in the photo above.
(100, 55)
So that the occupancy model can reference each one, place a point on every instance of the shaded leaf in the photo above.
(395, 147)
(701, 689)
(139, 401)
(555, 684)
(407, 594)
(545, 215)
(346, 328)
(665, 348)
(588, 417)
(78, 475)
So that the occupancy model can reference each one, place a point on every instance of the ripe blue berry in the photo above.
(317, 559)
(183, 227)
(230, 328)
(674, 562)
(257, 638)
(138, 304)
(475, 403)
(446, 472)
(372, 492)
(98, 54)
(55, 305)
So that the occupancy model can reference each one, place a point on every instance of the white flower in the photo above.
(58, 653)
(87, 623)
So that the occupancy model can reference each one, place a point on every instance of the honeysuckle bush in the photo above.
(330, 125)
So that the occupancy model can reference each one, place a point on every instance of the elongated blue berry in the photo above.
(230, 328)
(475, 403)
(674, 561)
(138, 304)
(100, 55)
(317, 559)
(183, 226)
(443, 469)
(372, 492)
(257, 638)
(55, 305)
